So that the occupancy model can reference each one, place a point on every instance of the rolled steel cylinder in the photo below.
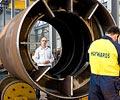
(78, 22)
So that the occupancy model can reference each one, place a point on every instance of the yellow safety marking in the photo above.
(20, 4)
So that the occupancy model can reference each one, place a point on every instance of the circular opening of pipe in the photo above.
(39, 30)
(75, 38)
(68, 39)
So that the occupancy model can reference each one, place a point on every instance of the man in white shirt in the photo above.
(43, 57)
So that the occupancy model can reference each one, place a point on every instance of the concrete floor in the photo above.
(44, 97)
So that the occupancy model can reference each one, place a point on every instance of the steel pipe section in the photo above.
(78, 22)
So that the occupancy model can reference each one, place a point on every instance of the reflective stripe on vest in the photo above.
(103, 58)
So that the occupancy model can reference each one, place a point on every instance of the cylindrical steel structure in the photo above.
(78, 22)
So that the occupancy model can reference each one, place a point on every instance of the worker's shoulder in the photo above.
(96, 41)
(101, 40)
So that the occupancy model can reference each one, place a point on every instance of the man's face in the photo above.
(118, 38)
(114, 37)
(43, 42)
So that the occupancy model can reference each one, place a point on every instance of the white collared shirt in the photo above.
(43, 54)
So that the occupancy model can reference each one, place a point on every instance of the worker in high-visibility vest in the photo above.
(104, 59)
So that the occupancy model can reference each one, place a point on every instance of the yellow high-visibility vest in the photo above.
(103, 58)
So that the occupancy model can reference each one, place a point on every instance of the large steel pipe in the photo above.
(78, 22)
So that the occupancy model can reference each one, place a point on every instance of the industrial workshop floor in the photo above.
(44, 97)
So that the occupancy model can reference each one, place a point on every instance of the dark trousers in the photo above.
(37, 90)
(38, 93)
(40, 68)
(104, 88)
